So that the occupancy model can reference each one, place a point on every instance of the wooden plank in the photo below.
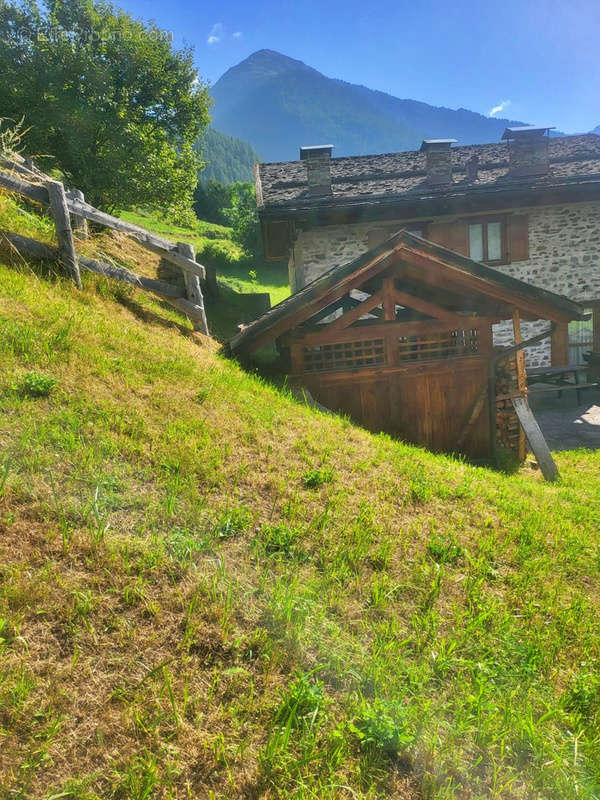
(434, 271)
(64, 233)
(519, 355)
(472, 419)
(354, 314)
(14, 184)
(161, 288)
(425, 307)
(535, 437)
(80, 226)
(314, 304)
(389, 304)
(193, 290)
(377, 330)
(559, 348)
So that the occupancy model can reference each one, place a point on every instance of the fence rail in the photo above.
(22, 177)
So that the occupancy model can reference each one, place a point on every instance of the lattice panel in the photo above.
(433, 346)
(345, 355)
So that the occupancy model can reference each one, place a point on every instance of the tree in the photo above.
(211, 200)
(106, 96)
(242, 215)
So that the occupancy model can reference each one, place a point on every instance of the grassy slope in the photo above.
(269, 278)
(209, 590)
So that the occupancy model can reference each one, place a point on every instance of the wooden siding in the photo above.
(426, 407)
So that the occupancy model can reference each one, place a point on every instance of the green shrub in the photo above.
(444, 550)
(317, 477)
(280, 540)
(232, 523)
(384, 727)
(36, 385)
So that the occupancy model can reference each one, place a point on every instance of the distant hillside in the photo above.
(277, 104)
(229, 159)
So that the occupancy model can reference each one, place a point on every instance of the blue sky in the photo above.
(538, 61)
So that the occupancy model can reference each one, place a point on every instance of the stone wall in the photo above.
(564, 249)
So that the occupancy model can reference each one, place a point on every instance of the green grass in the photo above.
(209, 589)
(213, 245)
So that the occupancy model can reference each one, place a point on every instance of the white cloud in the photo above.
(237, 35)
(216, 33)
(500, 107)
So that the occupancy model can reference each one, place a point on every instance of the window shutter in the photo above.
(276, 240)
(518, 237)
(452, 235)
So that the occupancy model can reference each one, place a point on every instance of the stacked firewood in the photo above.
(508, 429)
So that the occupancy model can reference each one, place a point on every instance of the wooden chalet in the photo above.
(401, 340)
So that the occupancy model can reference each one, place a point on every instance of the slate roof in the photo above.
(282, 185)
(514, 288)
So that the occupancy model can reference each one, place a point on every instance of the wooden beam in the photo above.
(64, 232)
(79, 224)
(428, 270)
(315, 303)
(166, 291)
(193, 290)
(425, 307)
(389, 304)
(535, 437)
(355, 313)
(519, 355)
(559, 346)
(381, 329)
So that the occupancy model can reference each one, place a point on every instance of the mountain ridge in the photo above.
(277, 103)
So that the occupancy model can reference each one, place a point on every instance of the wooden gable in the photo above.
(408, 284)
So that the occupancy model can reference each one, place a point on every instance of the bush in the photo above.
(384, 727)
(36, 385)
(317, 477)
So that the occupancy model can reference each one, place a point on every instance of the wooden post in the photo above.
(80, 225)
(560, 345)
(389, 303)
(64, 233)
(193, 289)
(521, 378)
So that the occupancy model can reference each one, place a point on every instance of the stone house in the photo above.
(528, 206)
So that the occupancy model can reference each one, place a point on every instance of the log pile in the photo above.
(508, 429)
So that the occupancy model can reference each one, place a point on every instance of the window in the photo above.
(486, 241)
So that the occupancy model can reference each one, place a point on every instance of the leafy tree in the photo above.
(242, 215)
(106, 96)
(211, 199)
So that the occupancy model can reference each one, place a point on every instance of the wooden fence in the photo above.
(71, 213)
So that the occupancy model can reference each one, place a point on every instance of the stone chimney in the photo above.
(318, 168)
(438, 160)
(527, 150)
(472, 167)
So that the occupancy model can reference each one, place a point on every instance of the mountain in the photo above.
(278, 104)
(596, 130)
(228, 159)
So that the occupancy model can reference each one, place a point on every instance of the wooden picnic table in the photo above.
(559, 377)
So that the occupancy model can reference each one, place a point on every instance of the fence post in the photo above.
(64, 233)
(80, 224)
(193, 289)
